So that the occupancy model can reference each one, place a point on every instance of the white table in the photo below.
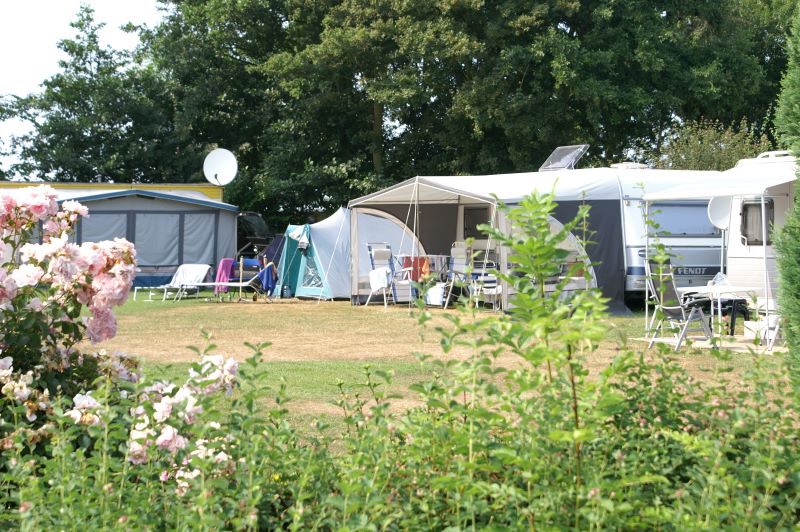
(719, 292)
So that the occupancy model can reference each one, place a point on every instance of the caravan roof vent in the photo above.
(564, 157)
(774, 154)
(629, 165)
(768, 157)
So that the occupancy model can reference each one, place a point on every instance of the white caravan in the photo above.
(444, 209)
(745, 247)
(767, 180)
(682, 225)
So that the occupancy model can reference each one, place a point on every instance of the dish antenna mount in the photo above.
(719, 214)
(719, 211)
(220, 167)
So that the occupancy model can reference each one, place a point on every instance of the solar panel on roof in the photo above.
(564, 157)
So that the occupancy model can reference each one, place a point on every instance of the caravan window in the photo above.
(683, 219)
(473, 217)
(751, 222)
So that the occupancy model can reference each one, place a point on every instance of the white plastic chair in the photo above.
(488, 290)
(187, 278)
(771, 327)
(458, 271)
(384, 277)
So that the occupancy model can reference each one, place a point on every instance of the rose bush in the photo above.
(45, 282)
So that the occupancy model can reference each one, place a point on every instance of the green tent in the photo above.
(315, 262)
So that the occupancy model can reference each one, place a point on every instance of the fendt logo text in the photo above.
(685, 270)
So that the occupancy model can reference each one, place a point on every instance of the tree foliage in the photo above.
(788, 241)
(323, 101)
(709, 145)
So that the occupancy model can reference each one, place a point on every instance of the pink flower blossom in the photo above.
(102, 325)
(84, 401)
(74, 207)
(162, 409)
(182, 476)
(188, 401)
(215, 372)
(8, 287)
(140, 440)
(170, 440)
(39, 201)
(27, 275)
(35, 304)
(83, 411)
(137, 452)
(8, 203)
(158, 390)
(17, 390)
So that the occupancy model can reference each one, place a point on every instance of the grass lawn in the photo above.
(315, 345)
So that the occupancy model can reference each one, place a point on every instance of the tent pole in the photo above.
(355, 257)
(414, 197)
(503, 260)
(764, 252)
(486, 254)
(722, 252)
(646, 262)
(241, 276)
(414, 247)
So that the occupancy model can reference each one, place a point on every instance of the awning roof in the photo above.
(749, 179)
(509, 188)
(89, 196)
(569, 185)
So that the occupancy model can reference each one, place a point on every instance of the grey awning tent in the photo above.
(167, 228)
(429, 206)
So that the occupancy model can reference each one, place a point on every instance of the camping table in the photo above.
(719, 292)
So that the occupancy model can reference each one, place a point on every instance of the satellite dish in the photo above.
(220, 167)
(719, 211)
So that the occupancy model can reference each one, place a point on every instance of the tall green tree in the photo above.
(4, 115)
(104, 117)
(709, 145)
(788, 240)
(480, 87)
(214, 53)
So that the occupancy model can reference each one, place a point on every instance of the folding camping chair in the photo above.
(767, 329)
(263, 282)
(459, 270)
(485, 284)
(187, 278)
(384, 277)
(671, 310)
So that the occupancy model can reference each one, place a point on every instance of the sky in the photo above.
(30, 30)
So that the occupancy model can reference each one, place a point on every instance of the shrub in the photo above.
(43, 288)
(515, 435)
(786, 243)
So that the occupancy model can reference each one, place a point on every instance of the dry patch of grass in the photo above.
(315, 345)
(298, 330)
